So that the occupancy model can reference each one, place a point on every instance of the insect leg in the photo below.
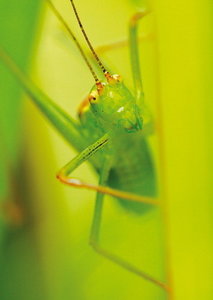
(63, 175)
(67, 126)
(95, 231)
(134, 54)
(120, 44)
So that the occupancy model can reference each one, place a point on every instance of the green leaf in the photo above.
(19, 20)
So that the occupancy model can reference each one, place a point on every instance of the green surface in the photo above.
(177, 74)
(20, 273)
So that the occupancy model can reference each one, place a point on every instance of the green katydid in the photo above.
(110, 111)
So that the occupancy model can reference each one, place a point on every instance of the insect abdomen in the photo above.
(134, 172)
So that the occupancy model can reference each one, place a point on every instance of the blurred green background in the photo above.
(44, 251)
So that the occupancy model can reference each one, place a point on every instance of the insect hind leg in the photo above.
(114, 258)
(126, 265)
(95, 232)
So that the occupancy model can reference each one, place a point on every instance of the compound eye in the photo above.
(93, 97)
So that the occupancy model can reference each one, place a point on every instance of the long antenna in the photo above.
(60, 18)
(87, 39)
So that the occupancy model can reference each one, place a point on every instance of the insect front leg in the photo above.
(63, 175)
